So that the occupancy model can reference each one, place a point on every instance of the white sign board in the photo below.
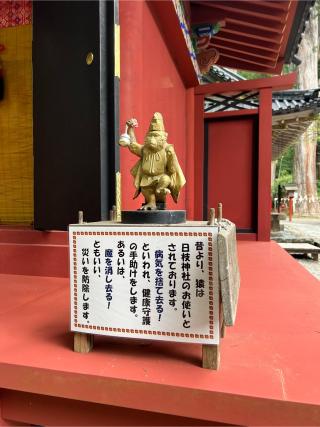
(148, 282)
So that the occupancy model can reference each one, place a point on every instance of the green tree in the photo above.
(305, 150)
(284, 170)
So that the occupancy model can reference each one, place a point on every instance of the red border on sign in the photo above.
(141, 331)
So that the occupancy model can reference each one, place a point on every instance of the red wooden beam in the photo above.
(254, 33)
(190, 153)
(253, 57)
(233, 20)
(278, 68)
(264, 164)
(272, 29)
(247, 41)
(228, 62)
(264, 21)
(248, 59)
(198, 156)
(241, 65)
(256, 8)
(275, 5)
(236, 47)
(169, 25)
(233, 113)
(292, 11)
(276, 83)
(250, 26)
(245, 10)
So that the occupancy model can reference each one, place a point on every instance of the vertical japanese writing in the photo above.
(146, 292)
(146, 306)
(85, 283)
(148, 283)
(133, 266)
(120, 261)
(96, 258)
(108, 254)
(199, 285)
(172, 274)
(185, 275)
(158, 256)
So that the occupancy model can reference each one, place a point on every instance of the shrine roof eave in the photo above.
(298, 27)
(257, 36)
(288, 133)
(295, 102)
(292, 113)
(221, 74)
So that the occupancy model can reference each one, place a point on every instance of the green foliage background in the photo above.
(284, 170)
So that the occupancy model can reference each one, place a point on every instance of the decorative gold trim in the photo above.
(89, 58)
(118, 197)
(117, 50)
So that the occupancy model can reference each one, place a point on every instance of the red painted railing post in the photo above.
(290, 208)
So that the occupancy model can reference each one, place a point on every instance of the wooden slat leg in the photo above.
(82, 343)
(210, 356)
(222, 323)
(315, 257)
(222, 329)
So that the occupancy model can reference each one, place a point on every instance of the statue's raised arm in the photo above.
(128, 139)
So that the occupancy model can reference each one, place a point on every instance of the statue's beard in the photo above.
(153, 148)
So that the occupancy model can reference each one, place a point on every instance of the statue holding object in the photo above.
(157, 173)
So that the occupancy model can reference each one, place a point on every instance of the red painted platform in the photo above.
(30, 252)
(269, 371)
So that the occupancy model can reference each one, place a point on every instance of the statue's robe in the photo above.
(152, 165)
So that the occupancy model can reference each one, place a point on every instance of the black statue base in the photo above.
(153, 217)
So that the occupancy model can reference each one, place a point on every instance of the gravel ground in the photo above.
(312, 266)
(302, 230)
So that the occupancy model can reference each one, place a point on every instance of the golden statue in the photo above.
(158, 172)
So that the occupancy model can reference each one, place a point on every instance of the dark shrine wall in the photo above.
(149, 82)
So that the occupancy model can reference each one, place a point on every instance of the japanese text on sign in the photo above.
(149, 284)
